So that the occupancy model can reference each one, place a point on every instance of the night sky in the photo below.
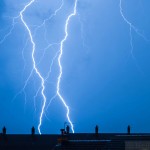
(105, 61)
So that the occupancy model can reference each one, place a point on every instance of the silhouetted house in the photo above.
(77, 141)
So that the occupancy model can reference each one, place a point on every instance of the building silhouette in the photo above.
(78, 141)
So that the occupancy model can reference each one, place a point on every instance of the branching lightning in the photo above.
(10, 31)
(58, 56)
(131, 27)
(60, 66)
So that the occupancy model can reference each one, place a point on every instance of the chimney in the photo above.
(4, 130)
(128, 129)
(33, 130)
(67, 129)
(96, 129)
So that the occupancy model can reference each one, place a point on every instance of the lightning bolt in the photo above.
(60, 66)
(33, 60)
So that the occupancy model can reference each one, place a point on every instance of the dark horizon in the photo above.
(80, 141)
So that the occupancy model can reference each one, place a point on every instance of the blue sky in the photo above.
(104, 81)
